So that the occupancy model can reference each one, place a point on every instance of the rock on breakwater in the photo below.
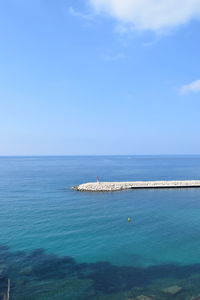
(119, 186)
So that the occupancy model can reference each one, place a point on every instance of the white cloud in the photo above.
(75, 13)
(193, 87)
(155, 15)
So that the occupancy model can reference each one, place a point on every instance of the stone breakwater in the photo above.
(119, 186)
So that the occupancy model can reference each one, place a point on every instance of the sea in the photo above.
(58, 243)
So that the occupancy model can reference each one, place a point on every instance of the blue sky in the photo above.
(99, 77)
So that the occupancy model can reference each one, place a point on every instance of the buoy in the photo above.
(129, 220)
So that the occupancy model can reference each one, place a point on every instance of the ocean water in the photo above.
(85, 245)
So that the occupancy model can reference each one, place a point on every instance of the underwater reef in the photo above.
(38, 275)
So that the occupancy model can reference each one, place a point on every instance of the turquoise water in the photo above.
(40, 210)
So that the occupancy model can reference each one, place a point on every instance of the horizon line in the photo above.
(86, 155)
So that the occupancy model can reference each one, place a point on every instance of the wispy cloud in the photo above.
(87, 17)
(154, 15)
(193, 87)
(114, 57)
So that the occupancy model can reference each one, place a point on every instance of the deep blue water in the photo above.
(38, 209)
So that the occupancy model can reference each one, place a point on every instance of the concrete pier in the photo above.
(119, 186)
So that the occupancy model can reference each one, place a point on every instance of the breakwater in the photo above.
(119, 186)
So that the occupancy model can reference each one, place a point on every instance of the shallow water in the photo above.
(40, 210)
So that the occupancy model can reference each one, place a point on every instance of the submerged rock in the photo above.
(26, 270)
(3, 267)
(173, 290)
(142, 297)
(195, 297)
